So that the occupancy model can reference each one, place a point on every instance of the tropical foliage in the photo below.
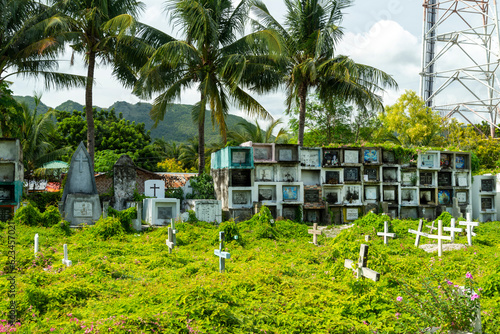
(249, 132)
(210, 57)
(309, 35)
(276, 281)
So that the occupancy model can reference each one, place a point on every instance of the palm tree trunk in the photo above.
(89, 112)
(201, 137)
(302, 112)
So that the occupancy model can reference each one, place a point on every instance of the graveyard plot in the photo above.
(275, 279)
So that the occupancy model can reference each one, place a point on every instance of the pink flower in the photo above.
(449, 282)
(52, 329)
(399, 298)
(468, 275)
(397, 315)
(474, 296)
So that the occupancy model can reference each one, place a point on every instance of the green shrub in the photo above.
(106, 228)
(231, 232)
(203, 187)
(375, 221)
(51, 216)
(45, 199)
(125, 217)
(28, 215)
(61, 228)
(264, 226)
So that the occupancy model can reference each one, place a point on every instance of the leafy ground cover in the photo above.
(275, 282)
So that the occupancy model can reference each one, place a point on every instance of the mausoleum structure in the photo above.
(11, 177)
(339, 184)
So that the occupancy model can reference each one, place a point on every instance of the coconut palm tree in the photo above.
(95, 27)
(29, 45)
(309, 36)
(253, 132)
(210, 58)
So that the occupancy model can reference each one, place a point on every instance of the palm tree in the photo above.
(28, 45)
(34, 135)
(309, 36)
(95, 28)
(210, 58)
(253, 132)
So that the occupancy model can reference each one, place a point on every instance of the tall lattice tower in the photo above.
(461, 57)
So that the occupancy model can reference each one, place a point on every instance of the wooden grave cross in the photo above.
(386, 233)
(453, 229)
(170, 241)
(440, 237)
(222, 255)
(469, 226)
(362, 270)
(36, 243)
(315, 232)
(431, 227)
(419, 233)
(174, 231)
(65, 260)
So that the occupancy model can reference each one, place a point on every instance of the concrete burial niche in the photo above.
(207, 210)
(80, 201)
(159, 211)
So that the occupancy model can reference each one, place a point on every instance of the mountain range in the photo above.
(177, 124)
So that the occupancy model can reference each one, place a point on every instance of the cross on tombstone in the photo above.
(65, 260)
(453, 229)
(154, 187)
(36, 243)
(419, 232)
(386, 233)
(81, 159)
(440, 237)
(469, 226)
(315, 232)
(170, 241)
(362, 270)
(222, 255)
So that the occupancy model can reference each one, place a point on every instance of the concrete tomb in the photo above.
(207, 210)
(80, 200)
(124, 182)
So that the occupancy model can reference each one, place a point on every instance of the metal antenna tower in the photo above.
(461, 56)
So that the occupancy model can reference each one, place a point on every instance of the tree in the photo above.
(253, 132)
(34, 135)
(309, 36)
(326, 123)
(28, 44)
(115, 135)
(94, 26)
(210, 58)
(409, 122)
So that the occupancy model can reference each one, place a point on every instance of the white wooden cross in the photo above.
(440, 237)
(222, 255)
(65, 260)
(431, 227)
(419, 233)
(315, 232)
(386, 233)
(36, 243)
(453, 229)
(362, 269)
(469, 226)
(174, 231)
(170, 241)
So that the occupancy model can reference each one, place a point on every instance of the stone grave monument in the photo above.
(124, 182)
(159, 210)
(80, 202)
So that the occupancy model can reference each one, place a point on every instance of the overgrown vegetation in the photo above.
(276, 281)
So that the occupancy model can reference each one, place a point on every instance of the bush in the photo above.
(51, 216)
(45, 199)
(106, 228)
(231, 232)
(125, 217)
(28, 215)
(203, 187)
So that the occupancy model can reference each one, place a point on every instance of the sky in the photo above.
(385, 34)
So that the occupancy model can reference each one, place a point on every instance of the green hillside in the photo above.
(30, 102)
(176, 126)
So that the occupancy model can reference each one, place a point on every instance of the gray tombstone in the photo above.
(124, 181)
(80, 199)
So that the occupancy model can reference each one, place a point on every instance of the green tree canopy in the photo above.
(410, 123)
